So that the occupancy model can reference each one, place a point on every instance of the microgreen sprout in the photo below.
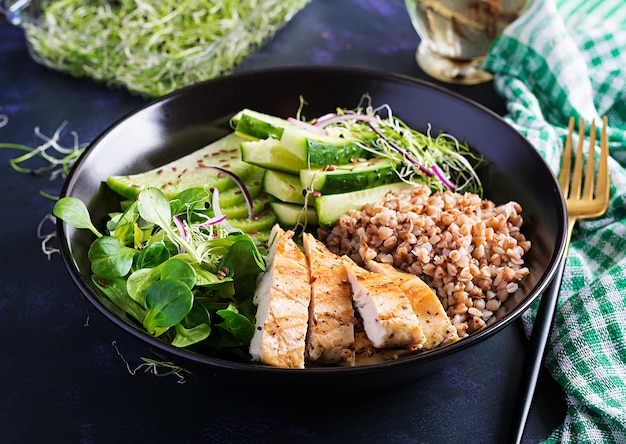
(153, 366)
(58, 158)
(154, 207)
(441, 162)
(153, 47)
(47, 237)
(240, 184)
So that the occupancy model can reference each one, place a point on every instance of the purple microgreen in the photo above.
(321, 119)
(442, 178)
(181, 228)
(405, 154)
(307, 126)
(414, 153)
(372, 121)
(217, 211)
(332, 118)
(213, 221)
(240, 184)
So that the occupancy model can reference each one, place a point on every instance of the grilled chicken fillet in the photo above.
(282, 297)
(330, 337)
(388, 317)
(434, 321)
(366, 354)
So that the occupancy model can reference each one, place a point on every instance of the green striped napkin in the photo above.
(568, 58)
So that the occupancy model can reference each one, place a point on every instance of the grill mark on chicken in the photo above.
(435, 323)
(388, 317)
(282, 297)
(330, 338)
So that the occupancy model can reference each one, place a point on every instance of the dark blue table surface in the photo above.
(68, 374)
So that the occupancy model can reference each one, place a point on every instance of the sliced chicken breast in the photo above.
(330, 337)
(435, 323)
(282, 297)
(388, 318)
(366, 354)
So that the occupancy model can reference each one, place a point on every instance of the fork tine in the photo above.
(577, 180)
(590, 175)
(603, 188)
(566, 160)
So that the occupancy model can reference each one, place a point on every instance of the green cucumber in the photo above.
(256, 224)
(254, 125)
(312, 147)
(330, 207)
(270, 154)
(261, 236)
(240, 210)
(319, 149)
(290, 215)
(234, 195)
(186, 172)
(284, 186)
(352, 177)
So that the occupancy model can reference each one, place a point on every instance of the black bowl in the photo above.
(189, 119)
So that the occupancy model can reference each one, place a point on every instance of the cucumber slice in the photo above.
(318, 149)
(290, 215)
(330, 207)
(255, 125)
(270, 154)
(261, 236)
(284, 186)
(309, 146)
(234, 195)
(257, 224)
(346, 178)
(186, 172)
(240, 210)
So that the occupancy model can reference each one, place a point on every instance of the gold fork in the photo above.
(583, 202)
(592, 200)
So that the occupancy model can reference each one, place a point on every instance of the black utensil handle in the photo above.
(536, 352)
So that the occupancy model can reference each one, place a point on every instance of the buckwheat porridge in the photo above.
(468, 249)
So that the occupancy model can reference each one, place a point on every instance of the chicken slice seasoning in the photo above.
(331, 315)
(435, 323)
(282, 297)
(388, 317)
